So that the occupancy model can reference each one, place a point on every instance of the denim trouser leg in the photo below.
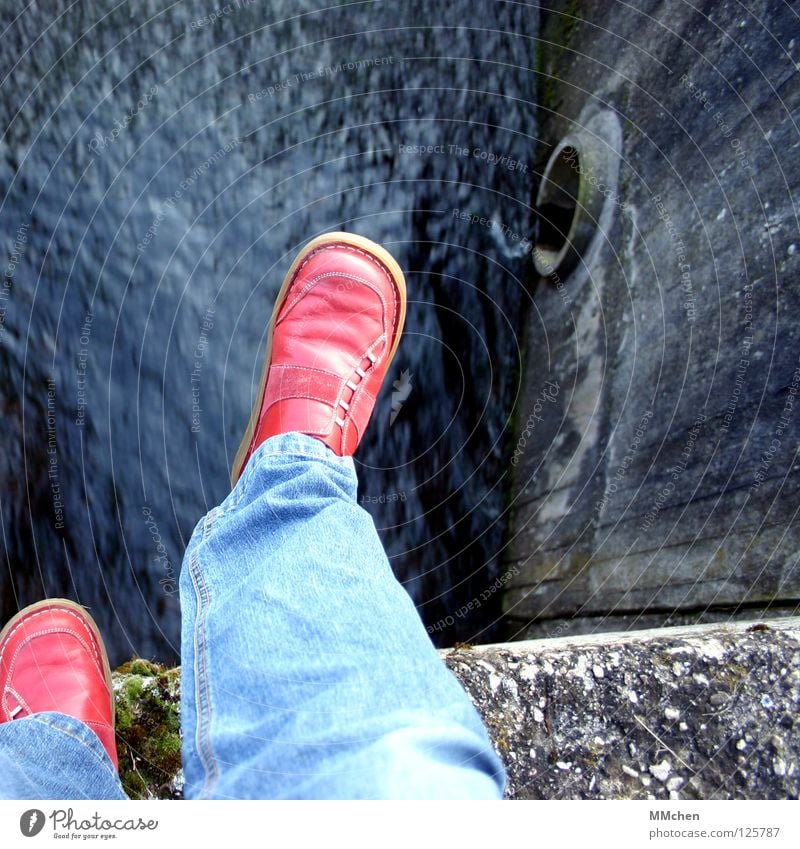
(306, 669)
(53, 756)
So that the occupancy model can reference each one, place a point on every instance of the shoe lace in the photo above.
(368, 362)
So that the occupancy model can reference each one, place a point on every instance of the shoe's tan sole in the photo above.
(366, 245)
(84, 613)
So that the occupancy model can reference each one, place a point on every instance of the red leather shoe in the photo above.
(335, 328)
(52, 658)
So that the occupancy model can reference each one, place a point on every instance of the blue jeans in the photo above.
(307, 672)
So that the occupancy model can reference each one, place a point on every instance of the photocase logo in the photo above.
(65, 824)
(31, 822)
(403, 387)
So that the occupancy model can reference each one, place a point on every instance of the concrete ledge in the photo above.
(702, 712)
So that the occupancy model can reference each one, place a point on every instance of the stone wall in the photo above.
(707, 712)
(659, 485)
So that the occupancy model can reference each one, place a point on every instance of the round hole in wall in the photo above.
(568, 205)
(556, 203)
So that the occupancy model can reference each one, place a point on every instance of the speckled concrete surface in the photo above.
(704, 712)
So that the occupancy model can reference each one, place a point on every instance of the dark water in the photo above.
(154, 191)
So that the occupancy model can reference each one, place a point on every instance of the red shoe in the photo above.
(52, 657)
(335, 328)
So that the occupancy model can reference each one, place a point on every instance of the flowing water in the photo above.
(160, 166)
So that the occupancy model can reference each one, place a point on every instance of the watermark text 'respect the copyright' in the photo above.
(501, 160)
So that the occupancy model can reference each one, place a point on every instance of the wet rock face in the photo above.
(689, 713)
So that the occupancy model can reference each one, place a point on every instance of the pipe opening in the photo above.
(556, 207)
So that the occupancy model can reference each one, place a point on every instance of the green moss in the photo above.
(133, 688)
(148, 728)
(139, 666)
(134, 784)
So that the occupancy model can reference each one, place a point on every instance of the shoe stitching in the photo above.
(90, 649)
(373, 347)
(103, 726)
(307, 368)
(55, 608)
(356, 403)
(385, 272)
(337, 377)
(61, 629)
(353, 249)
(383, 338)
(359, 389)
(287, 307)
(304, 397)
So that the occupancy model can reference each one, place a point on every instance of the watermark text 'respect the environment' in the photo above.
(322, 72)
(169, 203)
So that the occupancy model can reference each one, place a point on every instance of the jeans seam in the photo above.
(213, 516)
(205, 750)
